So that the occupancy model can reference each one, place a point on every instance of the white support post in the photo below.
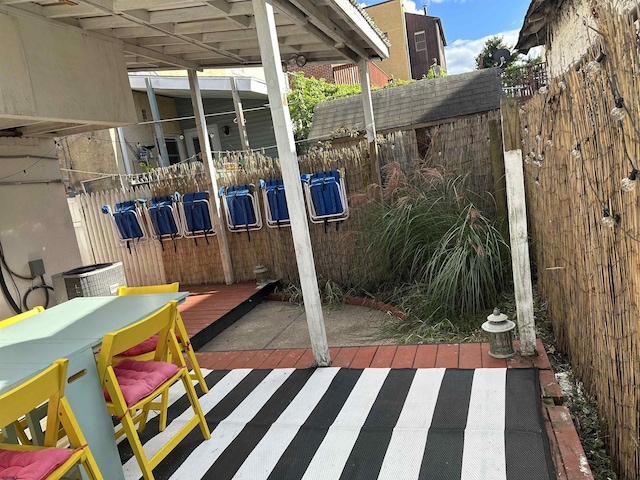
(517, 210)
(270, 54)
(162, 146)
(237, 104)
(125, 153)
(369, 120)
(205, 146)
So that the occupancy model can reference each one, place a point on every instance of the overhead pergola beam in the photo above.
(160, 57)
(350, 14)
(138, 19)
(319, 17)
(300, 18)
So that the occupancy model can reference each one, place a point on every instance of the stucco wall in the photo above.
(61, 73)
(34, 217)
(389, 17)
(570, 38)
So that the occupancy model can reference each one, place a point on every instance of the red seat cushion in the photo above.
(139, 379)
(34, 465)
(149, 345)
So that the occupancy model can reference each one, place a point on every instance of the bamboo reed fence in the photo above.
(463, 147)
(588, 272)
(191, 262)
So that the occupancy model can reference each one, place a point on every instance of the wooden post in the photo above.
(369, 121)
(517, 208)
(162, 146)
(276, 89)
(125, 153)
(207, 158)
(237, 104)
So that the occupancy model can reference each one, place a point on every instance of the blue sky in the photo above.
(468, 23)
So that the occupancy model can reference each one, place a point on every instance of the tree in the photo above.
(306, 93)
(485, 59)
(435, 71)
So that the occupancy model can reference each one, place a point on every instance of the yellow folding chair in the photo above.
(48, 461)
(131, 385)
(16, 318)
(146, 349)
(20, 425)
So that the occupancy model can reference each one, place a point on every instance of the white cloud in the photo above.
(461, 54)
(410, 6)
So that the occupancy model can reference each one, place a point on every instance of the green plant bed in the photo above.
(430, 246)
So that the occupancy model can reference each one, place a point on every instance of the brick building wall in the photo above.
(318, 71)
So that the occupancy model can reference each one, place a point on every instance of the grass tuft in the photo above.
(433, 251)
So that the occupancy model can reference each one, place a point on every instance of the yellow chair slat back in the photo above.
(49, 385)
(29, 395)
(149, 289)
(16, 318)
(160, 322)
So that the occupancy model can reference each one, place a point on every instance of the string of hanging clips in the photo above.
(618, 114)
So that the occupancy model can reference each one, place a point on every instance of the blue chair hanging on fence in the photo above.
(127, 223)
(326, 196)
(164, 221)
(241, 208)
(195, 212)
(275, 204)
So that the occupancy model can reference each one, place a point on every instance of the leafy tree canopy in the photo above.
(306, 93)
(485, 59)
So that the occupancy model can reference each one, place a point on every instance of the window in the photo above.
(172, 150)
(421, 41)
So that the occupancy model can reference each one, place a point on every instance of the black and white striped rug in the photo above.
(333, 423)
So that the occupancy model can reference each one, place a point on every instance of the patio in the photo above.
(566, 451)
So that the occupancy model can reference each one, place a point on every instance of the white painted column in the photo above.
(237, 105)
(162, 146)
(369, 120)
(518, 236)
(270, 54)
(207, 158)
(125, 153)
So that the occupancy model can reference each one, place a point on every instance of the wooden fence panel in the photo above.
(143, 264)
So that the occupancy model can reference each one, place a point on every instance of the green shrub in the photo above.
(430, 246)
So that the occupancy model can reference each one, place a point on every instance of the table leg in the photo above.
(84, 393)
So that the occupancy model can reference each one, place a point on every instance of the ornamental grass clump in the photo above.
(431, 249)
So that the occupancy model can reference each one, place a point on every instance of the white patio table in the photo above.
(73, 330)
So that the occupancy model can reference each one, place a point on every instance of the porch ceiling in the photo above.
(177, 34)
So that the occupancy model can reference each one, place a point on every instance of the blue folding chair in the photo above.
(195, 212)
(276, 212)
(127, 222)
(163, 219)
(326, 196)
(241, 208)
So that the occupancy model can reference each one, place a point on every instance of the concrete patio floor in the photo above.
(276, 325)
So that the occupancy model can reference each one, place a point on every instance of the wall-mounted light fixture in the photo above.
(297, 59)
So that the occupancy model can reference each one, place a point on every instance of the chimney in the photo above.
(425, 9)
